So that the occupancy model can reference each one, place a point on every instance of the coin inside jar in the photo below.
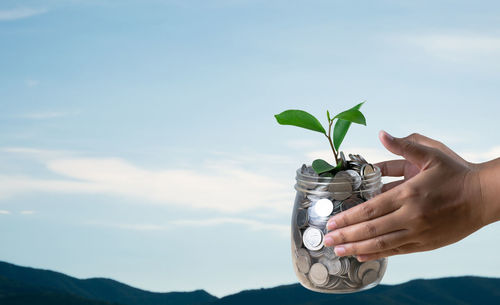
(333, 265)
(301, 218)
(367, 171)
(365, 267)
(355, 178)
(370, 277)
(323, 207)
(313, 238)
(303, 261)
(341, 187)
(318, 274)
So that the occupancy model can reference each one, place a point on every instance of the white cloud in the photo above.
(226, 188)
(27, 212)
(175, 224)
(483, 156)
(457, 47)
(20, 13)
(4, 212)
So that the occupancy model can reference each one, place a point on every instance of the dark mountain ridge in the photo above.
(24, 285)
(98, 288)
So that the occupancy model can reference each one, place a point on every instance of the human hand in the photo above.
(438, 203)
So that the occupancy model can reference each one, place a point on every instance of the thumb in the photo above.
(417, 154)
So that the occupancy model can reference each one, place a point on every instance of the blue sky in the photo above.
(137, 138)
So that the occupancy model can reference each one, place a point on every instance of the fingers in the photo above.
(378, 206)
(416, 153)
(404, 249)
(379, 244)
(392, 168)
(418, 138)
(365, 230)
(391, 185)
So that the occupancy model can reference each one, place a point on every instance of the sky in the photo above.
(138, 142)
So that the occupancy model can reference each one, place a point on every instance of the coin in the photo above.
(329, 253)
(351, 202)
(367, 266)
(355, 177)
(367, 171)
(313, 238)
(370, 277)
(346, 264)
(318, 274)
(323, 207)
(353, 271)
(333, 282)
(341, 187)
(303, 262)
(301, 218)
(333, 265)
(297, 237)
(344, 160)
(316, 254)
(361, 159)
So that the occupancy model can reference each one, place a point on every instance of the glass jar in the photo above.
(318, 198)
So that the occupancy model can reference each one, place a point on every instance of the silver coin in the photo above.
(367, 171)
(334, 282)
(303, 262)
(341, 187)
(318, 274)
(346, 264)
(329, 253)
(370, 277)
(344, 160)
(367, 266)
(334, 266)
(351, 202)
(301, 251)
(313, 238)
(318, 222)
(355, 178)
(350, 284)
(353, 271)
(323, 207)
(301, 218)
(361, 159)
(313, 198)
(317, 254)
(297, 237)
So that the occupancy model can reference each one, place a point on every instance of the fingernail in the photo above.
(388, 136)
(331, 225)
(328, 241)
(361, 258)
(339, 250)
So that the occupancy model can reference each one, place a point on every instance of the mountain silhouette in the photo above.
(24, 285)
(25, 280)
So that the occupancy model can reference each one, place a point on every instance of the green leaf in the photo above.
(299, 118)
(341, 127)
(320, 166)
(352, 115)
(328, 116)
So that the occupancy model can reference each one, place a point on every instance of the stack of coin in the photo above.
(318, 198)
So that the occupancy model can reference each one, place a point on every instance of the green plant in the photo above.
(305, 120)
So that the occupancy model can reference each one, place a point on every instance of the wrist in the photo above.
(489, 190)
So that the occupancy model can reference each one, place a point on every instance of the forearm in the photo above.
(489, 177)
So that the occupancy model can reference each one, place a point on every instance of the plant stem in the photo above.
(330, 140)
